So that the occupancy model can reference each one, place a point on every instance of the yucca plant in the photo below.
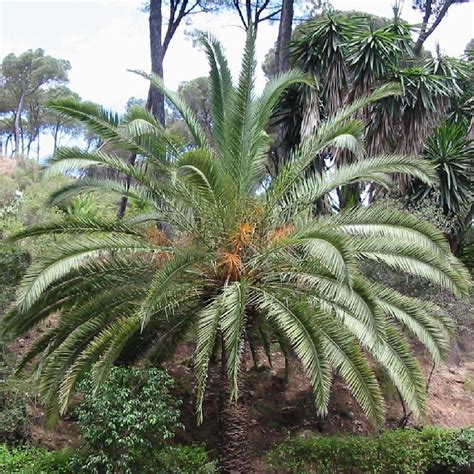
(246, 256)
(350, 53)
(451, 151)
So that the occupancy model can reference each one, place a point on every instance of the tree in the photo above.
(59, 125)
(196, 95)
(351, 53)
(159, 43)
(160, 39)
(24, 75)
(433, 13)
(251, 14)
(247, 257)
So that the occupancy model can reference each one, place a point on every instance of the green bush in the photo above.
(31, 460)
(15, 395)
(13, 263)
(432, 450)
(8, 188)
(127, 422)
(182, 460)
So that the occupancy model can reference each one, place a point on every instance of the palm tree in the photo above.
(246, 256)
(351, 53)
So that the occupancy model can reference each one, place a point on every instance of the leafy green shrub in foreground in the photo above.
(127, 424)
(32, 460)
(432, 450)
(182, 460)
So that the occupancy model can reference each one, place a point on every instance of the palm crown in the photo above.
(247, 257)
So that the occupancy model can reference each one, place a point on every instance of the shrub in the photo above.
(14, 397)
(182, 460)
(7, 190)
(13, 263)
(131, 417)
(32, 460)
(432, 450)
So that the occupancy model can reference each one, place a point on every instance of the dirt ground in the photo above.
(7, 165)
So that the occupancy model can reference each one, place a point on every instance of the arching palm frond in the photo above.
(247, 258)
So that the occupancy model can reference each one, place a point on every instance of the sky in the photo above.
(104, 38)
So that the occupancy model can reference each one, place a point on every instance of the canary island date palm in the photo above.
(247, 256)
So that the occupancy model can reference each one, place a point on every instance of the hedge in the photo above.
(409, 451)
(33, 460)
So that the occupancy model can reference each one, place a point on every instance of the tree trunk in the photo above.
(124, 199)
(156, 101)
(22, 140)
(284, 36)
(55, 137)
(283, 64)
(17, 124)
(234, 450)
(7, 142)
(28, 147)
(38, 149)
(426, 33)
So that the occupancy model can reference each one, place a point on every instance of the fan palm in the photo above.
(246, 257)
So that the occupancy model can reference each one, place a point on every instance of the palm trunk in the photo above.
(234, 450)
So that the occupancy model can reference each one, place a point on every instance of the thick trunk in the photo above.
(156, 101)
(283, 64)
(17, 124)
(284, 36)
(234, 450)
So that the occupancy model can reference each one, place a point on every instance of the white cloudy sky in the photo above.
(104, 38)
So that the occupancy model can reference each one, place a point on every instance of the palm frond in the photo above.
(206, 334)
(345, 356)
(66, 258)
(232, 326)
(306, 339)
(168, 275)
(184, 110)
